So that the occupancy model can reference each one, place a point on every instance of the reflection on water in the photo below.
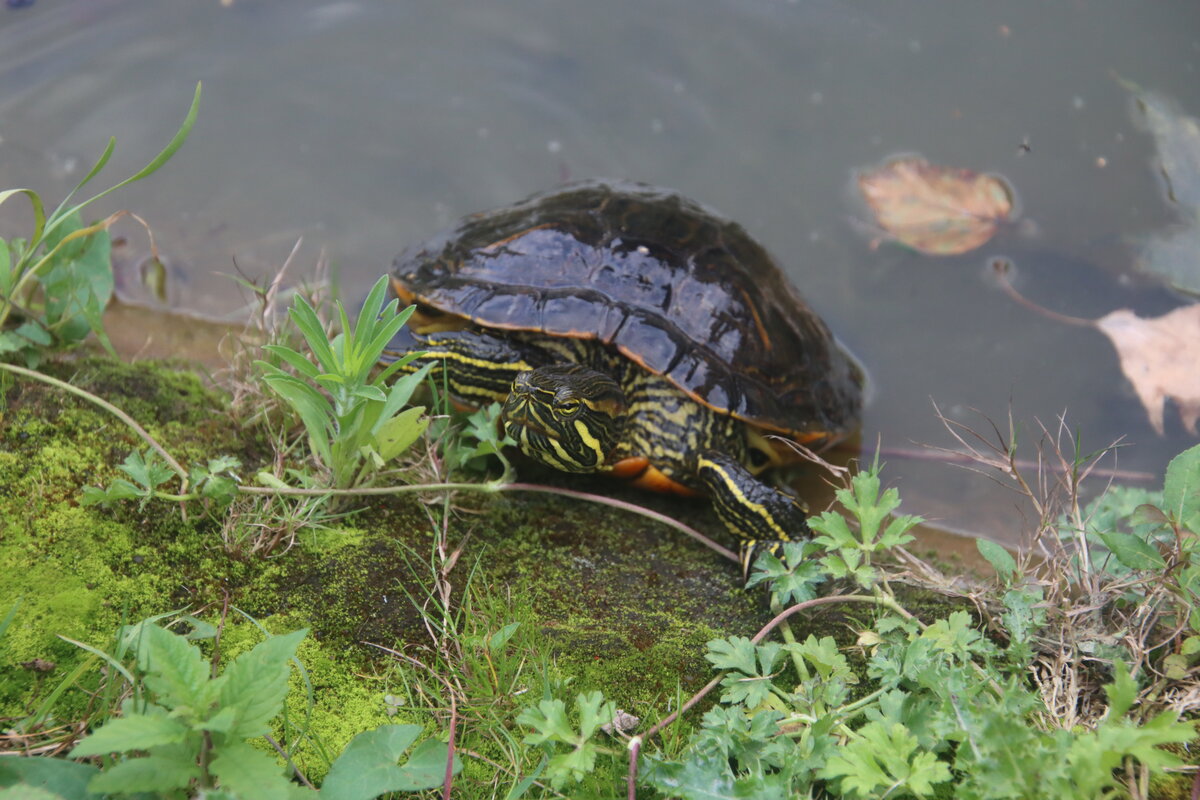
(366, 125)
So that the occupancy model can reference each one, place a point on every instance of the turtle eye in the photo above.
(567, 406)
(758, 459)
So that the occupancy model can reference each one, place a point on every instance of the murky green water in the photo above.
(366, 125)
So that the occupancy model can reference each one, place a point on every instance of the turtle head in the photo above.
(566, 416)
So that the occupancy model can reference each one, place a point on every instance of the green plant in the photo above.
(552, 728)
(925, 710)
(148, 471)
(186, 731)
(55, 285)
(848, 554)
(356, 423)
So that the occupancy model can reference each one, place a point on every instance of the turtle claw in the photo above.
(751, 549)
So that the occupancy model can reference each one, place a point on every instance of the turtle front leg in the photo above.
(761, 516)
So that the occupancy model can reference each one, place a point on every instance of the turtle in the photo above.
(628, 330)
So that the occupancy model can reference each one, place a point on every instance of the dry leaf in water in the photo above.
(1161, 358)
(933, 209)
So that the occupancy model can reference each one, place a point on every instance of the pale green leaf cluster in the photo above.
(885, 760)
(188, 733)
(794, 577)
(953, 712)
(55, 285)
(552, 729)
(216, 481)
(1133, 536)
(183, 711)
(480, 437)
(848, 554)
(750, 669)
(356, 423)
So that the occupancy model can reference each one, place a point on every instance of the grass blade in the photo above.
(155, 163)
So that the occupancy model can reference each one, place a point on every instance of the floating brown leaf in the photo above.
(1161, 358)
(933, 209)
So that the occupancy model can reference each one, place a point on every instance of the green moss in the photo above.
(81, 572)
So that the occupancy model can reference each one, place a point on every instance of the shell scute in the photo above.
(672, 285)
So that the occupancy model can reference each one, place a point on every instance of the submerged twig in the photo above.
(946, 455)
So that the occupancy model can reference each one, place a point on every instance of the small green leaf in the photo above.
(1133, 551)
(497, 640)
(398, 434)
(368, 392)
(35, 333)
(549, 721)
(152, 773)
(175, 670)
(736, 653)
(10, 342)
(256, 683)
(1121, 692)
(956, 635)
(835, 533)
(426, 767)
(63, 778)
(247, 772)
(1000, 559)
(77, 278)
(1181, 489)
(884, 758)
(222, 722)
(269, 480)
(1175, 666)
(305, 318)
(703, 777)
(400, 393)
(313, 409)
(119, 489)
(135, 732)
(297, 361)
(39, 218)
(593, 712)
(367, 767)
(792, 579)
(825, 657)
(148, 471)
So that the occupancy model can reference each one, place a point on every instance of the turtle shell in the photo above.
(668, 283)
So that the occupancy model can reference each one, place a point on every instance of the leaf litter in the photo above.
(934, 209)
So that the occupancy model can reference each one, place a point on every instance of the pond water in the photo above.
(367, 125)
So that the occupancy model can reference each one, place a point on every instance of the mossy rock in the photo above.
(622, 604)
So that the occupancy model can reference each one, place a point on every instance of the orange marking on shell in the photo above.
(759, 328)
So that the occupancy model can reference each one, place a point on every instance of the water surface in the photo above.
(367, 125)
